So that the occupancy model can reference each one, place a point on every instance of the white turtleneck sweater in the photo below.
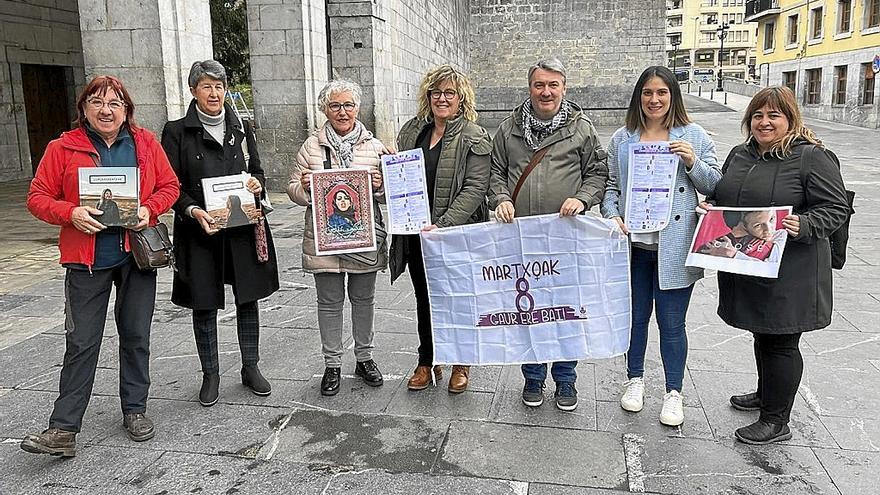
(215, 125)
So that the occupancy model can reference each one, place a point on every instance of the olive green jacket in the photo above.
(462, 178)
(575, 166)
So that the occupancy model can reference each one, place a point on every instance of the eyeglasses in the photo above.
(335, 107)
(97, 104)
(449, 93)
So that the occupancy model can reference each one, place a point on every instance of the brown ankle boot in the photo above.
(438, 372)
(52, 441)
(458, 381)
(420, 379)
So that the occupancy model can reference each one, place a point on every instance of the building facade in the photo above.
(694, 29)
(824, 51)
(49, 48)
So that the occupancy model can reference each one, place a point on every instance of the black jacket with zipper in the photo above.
(800, 299)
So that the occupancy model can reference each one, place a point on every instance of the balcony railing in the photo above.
(759, 9)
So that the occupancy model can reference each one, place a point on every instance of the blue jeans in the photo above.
(562, 371)
(672, 306)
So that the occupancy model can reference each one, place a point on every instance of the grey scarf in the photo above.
(536, 130)
(344, 145)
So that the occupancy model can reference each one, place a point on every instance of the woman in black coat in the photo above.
(207, 142)
(782, 163)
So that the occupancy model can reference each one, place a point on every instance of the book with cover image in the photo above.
(229, 202)
(114, 191)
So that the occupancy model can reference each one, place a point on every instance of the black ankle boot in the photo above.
(330, 382)
(210, 391)
(254, 380)
(761, 433)
(369, 372)
(746, 402)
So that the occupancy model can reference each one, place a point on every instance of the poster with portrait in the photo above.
(342, 211)
(229, 202)
(650, 178)
(747, 241)
(114, 191)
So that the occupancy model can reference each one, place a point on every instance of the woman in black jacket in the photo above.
(207, 142)
(782, 163)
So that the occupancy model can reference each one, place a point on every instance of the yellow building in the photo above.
(823, 51)
(693, 45)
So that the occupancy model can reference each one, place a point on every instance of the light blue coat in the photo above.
(676, 238)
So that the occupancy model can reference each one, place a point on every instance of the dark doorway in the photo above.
(46, 106)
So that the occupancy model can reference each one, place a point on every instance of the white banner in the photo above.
(540, 289)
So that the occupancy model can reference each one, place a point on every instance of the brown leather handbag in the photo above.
(152, 248)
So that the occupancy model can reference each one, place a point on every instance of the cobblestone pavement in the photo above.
(390, 440)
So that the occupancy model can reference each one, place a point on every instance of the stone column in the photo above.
(288, 68)
(149, 45)
(360, 40)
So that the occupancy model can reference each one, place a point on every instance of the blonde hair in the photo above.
(780, 98)
(436, 77)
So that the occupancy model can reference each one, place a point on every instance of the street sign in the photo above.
(876, 65)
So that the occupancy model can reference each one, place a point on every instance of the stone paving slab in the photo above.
(677, 465)
(534, 454)
(854, 473)
(356, 441)
(177, 472)
(45, 475)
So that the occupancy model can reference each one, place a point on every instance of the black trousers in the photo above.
(423, 306)
(87, 296)
(780, 367)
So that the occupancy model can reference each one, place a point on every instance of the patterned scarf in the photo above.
(344, 145)
(536, 130)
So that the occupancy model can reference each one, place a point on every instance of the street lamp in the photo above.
(675, 44)
(722, 33)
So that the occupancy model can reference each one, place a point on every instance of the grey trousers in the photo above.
(331, 297)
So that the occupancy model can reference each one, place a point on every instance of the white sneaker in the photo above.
(672, 413)
(633, 397)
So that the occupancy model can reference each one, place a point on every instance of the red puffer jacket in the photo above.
(54, 192)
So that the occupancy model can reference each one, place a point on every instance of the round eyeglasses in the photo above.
(97, 104)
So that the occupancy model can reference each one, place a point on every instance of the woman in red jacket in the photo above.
(97, 258)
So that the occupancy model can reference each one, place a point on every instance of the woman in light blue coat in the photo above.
(659, 278)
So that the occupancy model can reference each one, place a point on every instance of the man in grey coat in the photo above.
(546, 158)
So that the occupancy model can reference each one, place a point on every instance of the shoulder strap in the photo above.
(327, 164)
(536, 159)
(245, 152)
(806, 166)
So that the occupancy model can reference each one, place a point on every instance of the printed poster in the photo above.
(406, 191)
(650, 178)
(747, 241)
(342, 211)
(114, 191)
(540, 289)
(229, 202)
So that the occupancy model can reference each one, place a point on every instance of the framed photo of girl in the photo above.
(747, 241)
(342, 211)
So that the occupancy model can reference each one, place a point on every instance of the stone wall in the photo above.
(740, 87)
(150, 46)
(853, 111)
(44, 32)
(424, 34)
(288, 45)
(605, 44)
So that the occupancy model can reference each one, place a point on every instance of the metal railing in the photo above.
(755, 7)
